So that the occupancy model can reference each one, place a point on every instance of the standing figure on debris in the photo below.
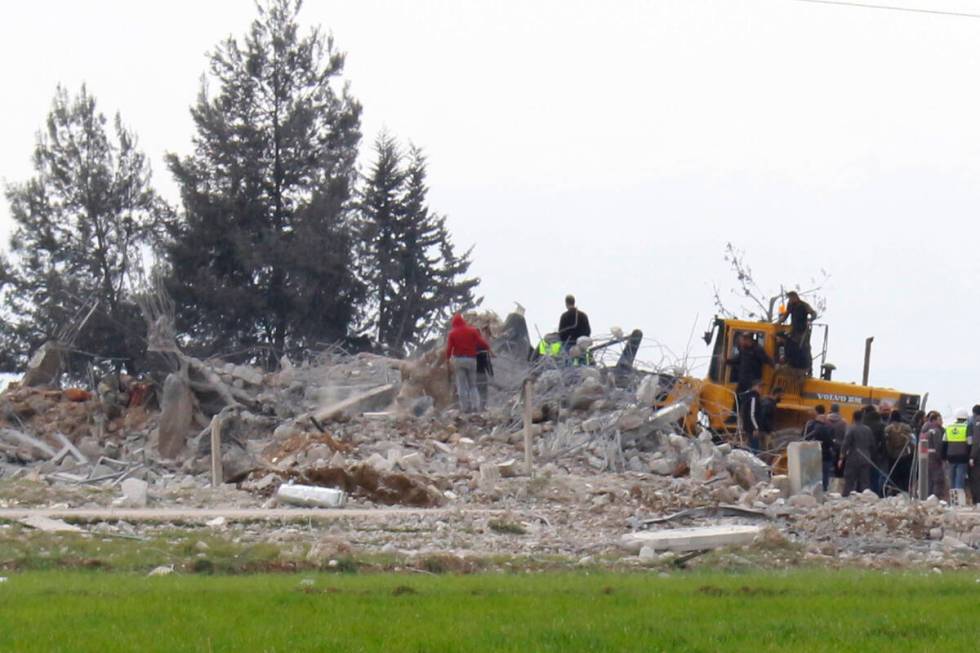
(819, 430)
(899, 449)
(462, 346)
(855, 457)
(956, 445)
(974, 425)
(800, 315)
(933, 430)
(766, 419)
(872, 419)
(749, 361)
(573, 324)
(484, 370)
(838, 424)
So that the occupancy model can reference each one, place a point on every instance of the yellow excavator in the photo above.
(712, 400)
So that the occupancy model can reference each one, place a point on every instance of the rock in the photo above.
(134, 493)
(489, 476)
(509, 468)
(379, 462)
(646, 394)
(44, 368)
(585, 394)
(412, 462)
(868, 497)
(632, 419)
(91, 448)
(319, 452)
(327, 549)
(338, 460)
(647, 554)
(162, 570)
(781, 483)
(802, 501)
(237, 463)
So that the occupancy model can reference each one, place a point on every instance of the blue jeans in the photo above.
(957, 475)
(828, 473)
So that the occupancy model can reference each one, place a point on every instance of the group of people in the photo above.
(876, 450)
(469, 353)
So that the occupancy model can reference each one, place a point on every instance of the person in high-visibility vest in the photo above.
(549, 346)
(956, 449)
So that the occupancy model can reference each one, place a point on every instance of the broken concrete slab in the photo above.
(38, 448)
(176, 414)
(310, 496)
(44, 368)
(804, 467)
(692, 539)
(374, 399)
(48, 525)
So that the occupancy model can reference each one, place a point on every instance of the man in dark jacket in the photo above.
(573, 324)
(855, 458)
(766, 419)
(748, 362)
(934, 432)
(974, 425)
(872, 419)
(818, 430)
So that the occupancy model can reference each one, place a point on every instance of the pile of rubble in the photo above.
(606, 455)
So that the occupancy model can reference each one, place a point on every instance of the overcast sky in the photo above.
(611, 149)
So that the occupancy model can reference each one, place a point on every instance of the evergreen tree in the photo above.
(264, 254)
(416, 280)
(82, 223)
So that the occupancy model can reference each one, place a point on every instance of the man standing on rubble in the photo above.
(934, 432)
(573, 324)
(856, 455)
(956, 446)
(462, 346)
(749, 361)
(974, 473)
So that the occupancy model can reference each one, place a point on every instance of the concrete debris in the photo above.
(805, 471)
(381, 438)
(692, 539)
(311, 497)
(177, 409)
(48, 525)
(162, 570)
(134, 493)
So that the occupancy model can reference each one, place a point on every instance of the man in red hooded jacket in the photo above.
(462, 346)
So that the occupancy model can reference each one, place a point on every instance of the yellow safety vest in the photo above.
(549, 349)
(956, 432)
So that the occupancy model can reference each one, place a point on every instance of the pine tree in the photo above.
(264, 254)
(82, 223)
(416, 280)
(382, 216)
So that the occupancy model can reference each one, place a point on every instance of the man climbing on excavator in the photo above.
(800, 315)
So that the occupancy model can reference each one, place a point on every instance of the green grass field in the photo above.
(797, 611)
